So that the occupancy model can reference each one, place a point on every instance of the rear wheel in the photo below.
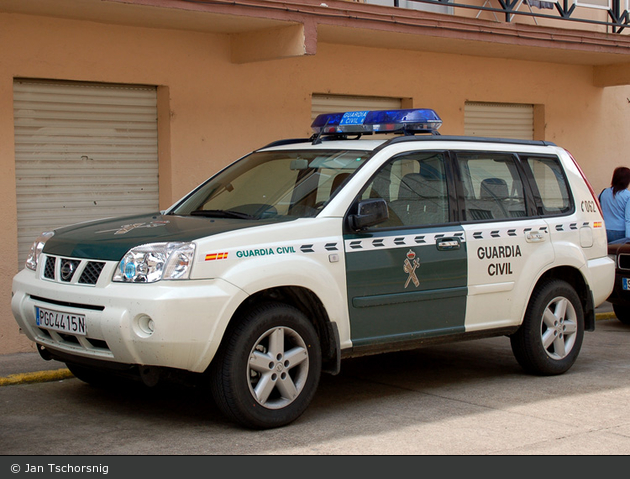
(267, 372)
(622, 313)
(550, 338)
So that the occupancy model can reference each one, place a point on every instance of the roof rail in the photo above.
(475, 139)
(288, 141)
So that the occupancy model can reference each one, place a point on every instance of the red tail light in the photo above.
(595, 197)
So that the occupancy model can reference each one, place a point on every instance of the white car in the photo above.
(309, 251)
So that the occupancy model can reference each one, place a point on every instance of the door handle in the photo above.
(446, 244)
(534, 237)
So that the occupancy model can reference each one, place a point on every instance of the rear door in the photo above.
(509, 243)
(407, 277)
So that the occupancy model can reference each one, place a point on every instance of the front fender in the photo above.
(316, 273)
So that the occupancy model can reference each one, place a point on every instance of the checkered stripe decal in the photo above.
(509, 232)
(389, 242)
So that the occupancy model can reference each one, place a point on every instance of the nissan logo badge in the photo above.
(67, 270)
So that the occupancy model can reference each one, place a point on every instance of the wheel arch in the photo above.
(309, 304)
(574, 277)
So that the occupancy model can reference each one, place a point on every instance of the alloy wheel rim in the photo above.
(559, 328)
(277, 367)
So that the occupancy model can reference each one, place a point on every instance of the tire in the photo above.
(550, 338)
(622, 313)
(267, 371)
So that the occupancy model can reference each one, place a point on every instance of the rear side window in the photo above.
(493, 189)
(552, 185)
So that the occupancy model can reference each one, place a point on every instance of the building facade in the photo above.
(111, 107)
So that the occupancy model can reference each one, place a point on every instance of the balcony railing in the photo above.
(603, 15)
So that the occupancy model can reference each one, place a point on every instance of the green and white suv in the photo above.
(309, 251)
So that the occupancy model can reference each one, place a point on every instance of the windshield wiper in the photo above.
(222, 214)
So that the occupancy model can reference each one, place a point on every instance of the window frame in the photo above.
(451, 192)
(534, 206)
(541, 211)
(528, 196)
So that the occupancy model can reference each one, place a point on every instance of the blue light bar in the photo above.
(378, 121)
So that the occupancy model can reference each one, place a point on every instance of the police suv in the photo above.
(309, 251)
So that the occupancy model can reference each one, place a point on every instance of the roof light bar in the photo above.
(378, 121)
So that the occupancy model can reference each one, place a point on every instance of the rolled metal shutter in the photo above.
(500, 120)
(337, 103)
(82, 152)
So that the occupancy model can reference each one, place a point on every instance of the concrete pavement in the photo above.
(467, 398)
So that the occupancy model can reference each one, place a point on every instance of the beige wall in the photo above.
(212, 111)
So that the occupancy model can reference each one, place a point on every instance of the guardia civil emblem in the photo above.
(409, 266)
(124, 229)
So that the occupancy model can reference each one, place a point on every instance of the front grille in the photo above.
(63, 339)
(91, 272)
(624, 261)
(49, 270)
(66, 270)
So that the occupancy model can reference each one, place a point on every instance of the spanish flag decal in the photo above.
(213, 256)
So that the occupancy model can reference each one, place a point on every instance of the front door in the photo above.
(407, 277)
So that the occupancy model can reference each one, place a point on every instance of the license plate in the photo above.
(624, 284)
(59, 321)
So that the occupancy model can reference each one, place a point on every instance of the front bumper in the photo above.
(189, 318)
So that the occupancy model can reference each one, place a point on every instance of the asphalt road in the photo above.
(468, 398)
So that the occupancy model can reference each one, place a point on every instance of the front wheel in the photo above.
(550, 338)
(267, 371)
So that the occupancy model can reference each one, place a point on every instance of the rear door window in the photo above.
(492, 186)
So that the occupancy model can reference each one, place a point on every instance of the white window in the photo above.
(603, 4)
(410, 4)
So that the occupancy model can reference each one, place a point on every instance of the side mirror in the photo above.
(369, 213)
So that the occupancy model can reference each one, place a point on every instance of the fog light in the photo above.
(144, 326)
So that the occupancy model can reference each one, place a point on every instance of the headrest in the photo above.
(415, 185)
(494, 188)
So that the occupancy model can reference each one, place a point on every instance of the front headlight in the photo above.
(152, 262)
(36, 250)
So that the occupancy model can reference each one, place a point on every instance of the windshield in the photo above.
(273, 184)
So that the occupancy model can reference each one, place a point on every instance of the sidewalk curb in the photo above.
(64, 373)
(35, 377)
